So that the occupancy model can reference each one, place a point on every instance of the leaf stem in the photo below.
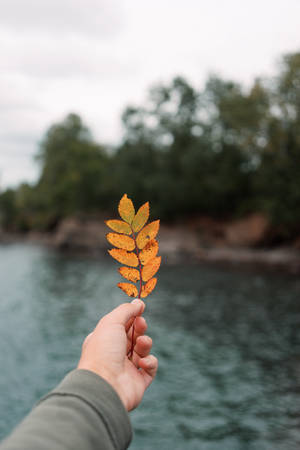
(140, 290)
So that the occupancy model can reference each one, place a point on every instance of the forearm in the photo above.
(83, 412)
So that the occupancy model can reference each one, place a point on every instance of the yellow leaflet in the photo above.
(148, 287)
(149, 251)
(150, 268)
(136, 247)
(124, 257)
(130, 274)
(147, 233)
(126, 209)
(121, 241)
(140, 218)
(119, 226)
(129, 289)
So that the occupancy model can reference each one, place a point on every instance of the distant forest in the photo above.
(224, 151)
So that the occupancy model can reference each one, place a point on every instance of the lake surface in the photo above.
(228, 344)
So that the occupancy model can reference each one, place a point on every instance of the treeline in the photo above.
(224, 151)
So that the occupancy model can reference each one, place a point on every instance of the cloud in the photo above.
(94, 57)
(73, 57)
(101, 18)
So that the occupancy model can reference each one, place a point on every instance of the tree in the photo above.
(8, 209)
(277, 179)
(73, 170)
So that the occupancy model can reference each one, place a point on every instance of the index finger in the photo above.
(123, 313)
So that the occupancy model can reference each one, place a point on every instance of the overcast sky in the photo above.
(94, 57)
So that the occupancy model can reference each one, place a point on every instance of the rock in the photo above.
(210, 232)
(297, 243)
(76, 234)
(177, 242)
(247, 232)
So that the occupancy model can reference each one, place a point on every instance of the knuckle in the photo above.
(148, 341)
(86, 340)
(154, 360)
(103, 320)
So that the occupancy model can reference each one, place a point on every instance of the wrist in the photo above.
(115, 384)
(109, 378)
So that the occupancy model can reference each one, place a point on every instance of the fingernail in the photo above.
(140, 302)
(136, 301)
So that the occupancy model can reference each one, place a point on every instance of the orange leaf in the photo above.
(119, 226)
(141, 217)
(149, 251)
(124, 257)
(147, 233)
(130, 274)
(121, 241)
(126, 209)
(150, 268)
(129, 289)
(148, 288)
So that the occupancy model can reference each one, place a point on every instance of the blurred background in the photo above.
(194, 107)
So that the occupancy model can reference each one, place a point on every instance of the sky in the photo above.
(95, 57)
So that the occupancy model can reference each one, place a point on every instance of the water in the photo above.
(228, 344)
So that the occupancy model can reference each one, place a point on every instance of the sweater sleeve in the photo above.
(82, 412)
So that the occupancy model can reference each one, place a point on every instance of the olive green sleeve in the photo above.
(82, 413)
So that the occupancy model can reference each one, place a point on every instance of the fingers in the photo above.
(123, 313)
(85, 342)
(140, 326)
(142, 349)
(143, 346)
(129, 323)
(149, 366)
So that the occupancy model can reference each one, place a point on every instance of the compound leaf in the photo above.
(129, 289)
(141, 217)
(124, 257)
(121, 241)
(130, 274)
(148, 287)
(119, 226)
(150, 268)
(149, 251)
(136, 247)
(126, 209)
(147, 233)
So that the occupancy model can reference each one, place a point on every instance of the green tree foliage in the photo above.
(278, 175)
(222, 151)
(73, 168)
(176, 154)
(8, 210)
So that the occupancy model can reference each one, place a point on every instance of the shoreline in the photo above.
(178, 244)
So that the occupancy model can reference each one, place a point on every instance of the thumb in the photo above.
(125, 312)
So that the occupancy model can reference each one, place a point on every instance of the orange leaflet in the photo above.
(140, 218)
(148, 287)
(124, 257)
(126, 209)
(136, 248)
(147, 233)
(149, 251)
(130, 274)
(121, 241)
(129, 289)
(150, 268)
(119, 226)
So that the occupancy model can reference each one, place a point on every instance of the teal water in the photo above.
(228, 344)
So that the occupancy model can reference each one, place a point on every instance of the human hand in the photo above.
(105, 352)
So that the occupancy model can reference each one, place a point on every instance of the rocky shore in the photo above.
(203, 240)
